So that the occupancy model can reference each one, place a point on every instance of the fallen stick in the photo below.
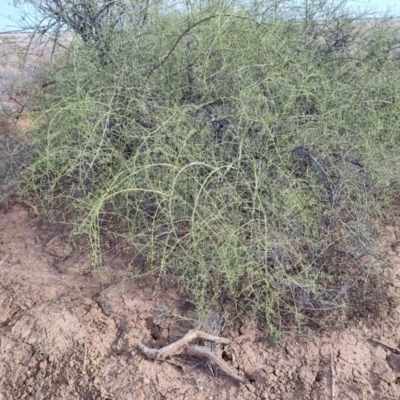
(199, 351)
(32, 206)
(182, 346)
(333, 377)
(394, 349)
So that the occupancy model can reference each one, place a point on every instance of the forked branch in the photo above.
(182, 346)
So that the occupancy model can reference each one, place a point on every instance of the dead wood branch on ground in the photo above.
(394, 349)
(182, 346)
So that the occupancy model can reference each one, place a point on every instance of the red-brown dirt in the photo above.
(66, 335)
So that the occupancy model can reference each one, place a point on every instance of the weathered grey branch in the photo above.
(182, 346)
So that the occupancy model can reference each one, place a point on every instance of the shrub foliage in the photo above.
(244, 150)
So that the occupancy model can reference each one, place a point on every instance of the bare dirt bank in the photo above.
(64, 335)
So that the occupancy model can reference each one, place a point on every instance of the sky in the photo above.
(9, 14)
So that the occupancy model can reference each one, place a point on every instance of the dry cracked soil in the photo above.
(67, 334)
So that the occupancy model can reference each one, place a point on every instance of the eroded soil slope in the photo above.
(69, 334)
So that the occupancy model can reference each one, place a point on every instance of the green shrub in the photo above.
(246, 155)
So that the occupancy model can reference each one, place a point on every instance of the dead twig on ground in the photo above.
(333, 376)
(32, 206)
(397, 351)
(182, 346)
(84, 354)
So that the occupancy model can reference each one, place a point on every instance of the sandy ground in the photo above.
(67, 335)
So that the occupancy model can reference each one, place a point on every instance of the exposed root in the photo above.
(182, 346)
